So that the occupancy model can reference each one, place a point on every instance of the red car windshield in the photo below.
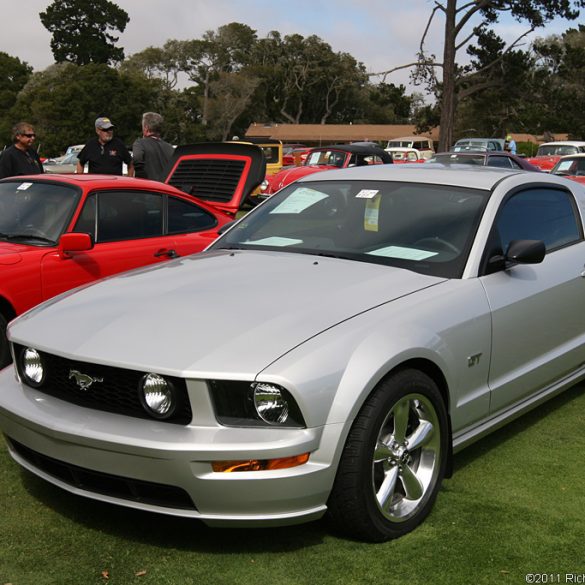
(35, 213)
(330, 158)
(556, 150)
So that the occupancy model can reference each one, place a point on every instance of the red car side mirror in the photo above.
(74, 242)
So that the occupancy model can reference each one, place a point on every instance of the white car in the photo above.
(406, 311)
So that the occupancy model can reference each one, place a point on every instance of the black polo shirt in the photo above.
(105, 159)
(14, 161)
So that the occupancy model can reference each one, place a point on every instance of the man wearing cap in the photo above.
(510, 144)
(105, 154)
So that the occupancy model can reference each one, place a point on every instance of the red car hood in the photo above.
(544, 163)
(287, 176)
(11, 253)
(223, 174)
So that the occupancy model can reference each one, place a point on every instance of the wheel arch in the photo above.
(434, 372)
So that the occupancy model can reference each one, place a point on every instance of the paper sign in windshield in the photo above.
(367, 193)
(403, 253)
(23, 186)
(300, 200)
(275, 241)
(565, 165)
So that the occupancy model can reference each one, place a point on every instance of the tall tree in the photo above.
(81, 30)
(559, 82)
(465, 20)
(226, 50)
(64, 100)
(14, 74)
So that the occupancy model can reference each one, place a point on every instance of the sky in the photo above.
(382, 34)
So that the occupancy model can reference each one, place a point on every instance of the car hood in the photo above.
(287, 176)
(544, 162)
(219, 313)
(11, 253)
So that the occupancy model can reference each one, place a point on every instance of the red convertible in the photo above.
(327, 158)
(58, 232)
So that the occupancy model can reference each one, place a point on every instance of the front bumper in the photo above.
(86, 452)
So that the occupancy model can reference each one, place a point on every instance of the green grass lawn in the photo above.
(515, 505)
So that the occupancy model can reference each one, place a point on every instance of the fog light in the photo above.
(259, 464)
(270, 403)
(157, 396)
(33, 369)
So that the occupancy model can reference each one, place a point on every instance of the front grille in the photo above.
(117, 392)
(116, 486)
(215, 179)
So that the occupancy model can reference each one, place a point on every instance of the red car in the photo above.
(549, 153)
(327, 158)
(58, 232)
(572, 167)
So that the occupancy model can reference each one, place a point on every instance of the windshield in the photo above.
(35, 212)
(571, 166)
(331, 158)
(270, 153)
(422, 227)
(556, 150)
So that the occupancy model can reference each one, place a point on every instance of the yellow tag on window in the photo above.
(371, 214)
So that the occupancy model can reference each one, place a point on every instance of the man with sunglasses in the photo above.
(21, 158)
(105, 154)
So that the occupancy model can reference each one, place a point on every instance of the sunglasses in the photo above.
(106, 129)
(30, 135)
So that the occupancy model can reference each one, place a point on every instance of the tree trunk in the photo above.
(448, 93)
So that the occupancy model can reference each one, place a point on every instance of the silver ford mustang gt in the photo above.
(398, 314)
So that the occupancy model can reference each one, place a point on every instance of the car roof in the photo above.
(564, 143)
(572, 156)
(474, 177)
(99, 180)
(409, 138)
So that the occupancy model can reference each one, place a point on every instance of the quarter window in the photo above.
(185, 217)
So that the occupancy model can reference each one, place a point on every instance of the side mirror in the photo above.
(526, 251)
(74, 242)
(518, 252)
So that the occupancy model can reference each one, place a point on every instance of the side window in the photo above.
(186, 217)
(86, 220)
(127, 215)
(501, 161)
(539, 214)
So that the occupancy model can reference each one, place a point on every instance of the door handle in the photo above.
(164, 252)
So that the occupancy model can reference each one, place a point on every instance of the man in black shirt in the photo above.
(21, 158)
(105, 153)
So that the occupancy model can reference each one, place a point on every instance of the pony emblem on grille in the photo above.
(83, 380)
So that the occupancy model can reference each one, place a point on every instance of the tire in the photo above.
(394, 460)
(5, 357)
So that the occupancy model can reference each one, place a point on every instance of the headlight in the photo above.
(264, 185)
(32, 367)
(245, 404)
(270, 404)
(157, 395)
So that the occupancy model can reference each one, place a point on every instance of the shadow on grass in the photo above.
(521, 424)
(170, 531)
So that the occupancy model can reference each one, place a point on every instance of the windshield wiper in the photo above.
(16, 237)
